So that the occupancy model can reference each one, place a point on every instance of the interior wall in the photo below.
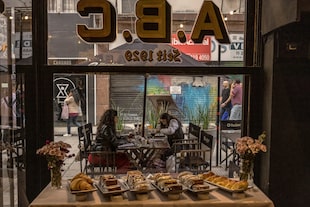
(286, 115)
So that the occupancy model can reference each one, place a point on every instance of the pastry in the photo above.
(166, 182)
(184, 173)
(193, 181)
(109, 182)
(206, 175)
(212, 178)
(113, 188)
(80, 184)
(173, 187)
(200, 187)
(142, 186)
(81, 181)
(82, 175)
(184, 178)
(219, 179)
(159, 179)
(107, 176)
(230, 183)
(240, 185)
(157, 175)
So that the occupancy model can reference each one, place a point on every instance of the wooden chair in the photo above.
(85, 136)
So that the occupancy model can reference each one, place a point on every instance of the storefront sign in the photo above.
(229, 52)
(200, 52)
(153, 24)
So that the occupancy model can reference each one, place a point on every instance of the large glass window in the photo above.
(139, 97)
(15, 52)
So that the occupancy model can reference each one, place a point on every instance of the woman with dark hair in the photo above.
(107, 140)
(172, 127)
(73, 102)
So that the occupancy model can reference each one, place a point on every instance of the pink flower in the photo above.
(247, 145)
(55, 152)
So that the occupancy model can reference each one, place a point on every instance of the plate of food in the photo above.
(195, 184)
(80, 185)
(225, 183)
(109, 185)
(138, 184)
(168, 185)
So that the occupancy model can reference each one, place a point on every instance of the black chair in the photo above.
(193, 160)
(198, 158)
(16, 138)
(207, 140)
(85, 135)
(230, 130)
(193, 134)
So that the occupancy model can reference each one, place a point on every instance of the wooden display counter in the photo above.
(51, 198)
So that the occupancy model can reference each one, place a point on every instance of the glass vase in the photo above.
(56, 177)
(247, 170)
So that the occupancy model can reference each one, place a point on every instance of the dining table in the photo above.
(142, 151)
(50, 197)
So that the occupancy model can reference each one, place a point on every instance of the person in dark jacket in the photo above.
(172, 128)
(107, 140)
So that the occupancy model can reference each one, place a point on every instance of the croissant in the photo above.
(84, 176)
(80, 184)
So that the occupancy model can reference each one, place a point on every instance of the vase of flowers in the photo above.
(55, 154)
(247, 148)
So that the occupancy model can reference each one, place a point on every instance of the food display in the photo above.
(165, 183)
(225, 183)
(195, 184)
(80, 185)
(138, 184)
(169, 184)
(109, 185)
(137, 181)
(81, 182)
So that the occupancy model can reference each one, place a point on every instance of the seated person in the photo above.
(106, 140)
(172, 128)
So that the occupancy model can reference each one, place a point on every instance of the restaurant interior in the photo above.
(142, 59)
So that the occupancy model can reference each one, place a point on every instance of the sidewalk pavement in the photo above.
(72, 166)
